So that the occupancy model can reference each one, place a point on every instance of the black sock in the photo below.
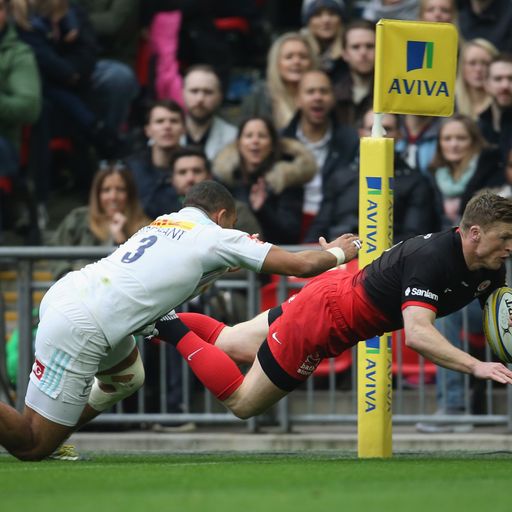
(171, 329)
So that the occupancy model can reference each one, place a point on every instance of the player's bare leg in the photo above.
(29, 436)
(246, 395)
(242, 341)
(255, 395)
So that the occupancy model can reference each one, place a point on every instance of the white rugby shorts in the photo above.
(70, 349)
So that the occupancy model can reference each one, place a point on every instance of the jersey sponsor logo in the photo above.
(418, 292)
(310, 364)
(176, 224)
(38, 369)
(483, 286)
(174, 229)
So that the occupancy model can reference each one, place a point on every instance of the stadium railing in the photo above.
(327, 398)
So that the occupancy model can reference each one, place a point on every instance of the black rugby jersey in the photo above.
(428, 271)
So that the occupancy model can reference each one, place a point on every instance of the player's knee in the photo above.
(241, 409)
(109, 389)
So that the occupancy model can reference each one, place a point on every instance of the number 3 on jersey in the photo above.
(145, 243)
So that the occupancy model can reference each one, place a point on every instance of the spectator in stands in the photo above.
(53, 33)
(487, 19)
(463, 164)
(116, 23)
(444, 11)
(354, 88)
(165, 125)
(289, 57)
(415, 209)
(85, 98)
(203, 97)
(190, 165)
(113, 215)
(20, 98)
(334, 145)
(471, 95)
(506, 189)
(419, 142)
(496, 121)
(267, 173)
(323, 22)
(374, 10)
(200, 41)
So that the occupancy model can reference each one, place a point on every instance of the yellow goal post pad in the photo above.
(415, 68)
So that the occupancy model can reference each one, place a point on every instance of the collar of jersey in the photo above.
(196, 214)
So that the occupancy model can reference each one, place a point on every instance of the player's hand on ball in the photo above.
(349, 243)
(493, 371)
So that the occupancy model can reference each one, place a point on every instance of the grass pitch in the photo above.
(245, 482)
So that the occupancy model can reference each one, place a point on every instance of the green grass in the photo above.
(262, 482)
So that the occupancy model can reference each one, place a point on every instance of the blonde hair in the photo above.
(98, 220)
(465, 104)
(335, 49)
(283, 105)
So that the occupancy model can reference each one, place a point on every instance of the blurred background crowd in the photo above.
(110, 110)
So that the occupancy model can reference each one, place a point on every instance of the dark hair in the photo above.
(205, 68)
(275, 153)
(357, 24)
(211, 197)
(502, 57)
(184, 151)
(170, 105)
(485, 209)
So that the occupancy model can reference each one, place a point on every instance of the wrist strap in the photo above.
(338, 252)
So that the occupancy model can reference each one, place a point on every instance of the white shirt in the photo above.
(313, 188)
(161, 266)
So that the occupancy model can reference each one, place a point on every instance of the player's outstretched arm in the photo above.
(422, 336)
(314, 262)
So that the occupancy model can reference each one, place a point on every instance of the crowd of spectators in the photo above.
(138, 84)
(106, 80)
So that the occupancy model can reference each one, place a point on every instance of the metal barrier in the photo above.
(330, 398)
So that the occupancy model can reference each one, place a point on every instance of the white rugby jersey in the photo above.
(160, 267)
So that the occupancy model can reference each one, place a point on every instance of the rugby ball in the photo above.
(497, 311)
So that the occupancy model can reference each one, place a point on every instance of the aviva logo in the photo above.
(420, 54)
(374, 186)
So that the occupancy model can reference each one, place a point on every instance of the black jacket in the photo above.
(154, 188)
(416, 209)
(489, 173)
(343, 147)
(501, 138)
